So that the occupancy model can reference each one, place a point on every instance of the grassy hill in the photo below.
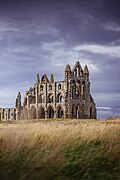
(58, 150)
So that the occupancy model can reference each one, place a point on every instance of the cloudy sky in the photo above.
(42, 36)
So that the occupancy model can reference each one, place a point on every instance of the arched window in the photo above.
(50, 112)
(41, 98)
(58, 97)
(60, 112)
(78, 89)
(33, 100)
(41, 87)
(83, 90)
(59, 86)
(41, 112)
(73, 89)
(50, 87)
(61, 99)
(50, 98)
(44, 79)
(75, 73)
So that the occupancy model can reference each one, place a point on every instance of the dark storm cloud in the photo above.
(42, 36)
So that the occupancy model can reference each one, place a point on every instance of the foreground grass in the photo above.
(86, 150)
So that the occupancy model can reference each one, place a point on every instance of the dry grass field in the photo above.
(64, 149)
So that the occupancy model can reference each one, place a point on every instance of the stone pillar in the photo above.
(69, 100)
(66, 100)
(18, 106)
(87, 99)
(55, 109)
(74, 111)
(36, 96)
(46, 115)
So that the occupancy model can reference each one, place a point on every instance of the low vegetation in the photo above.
(58, 150)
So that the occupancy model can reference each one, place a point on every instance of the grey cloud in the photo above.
(42, 37)
(111, 26)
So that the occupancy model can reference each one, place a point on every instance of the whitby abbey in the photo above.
(66, 99)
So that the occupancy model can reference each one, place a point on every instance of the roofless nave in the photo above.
(69, 98)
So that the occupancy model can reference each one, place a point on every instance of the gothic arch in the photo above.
(41, 98)
(41, 113)
(76, 69)
(60, 112)
(78, 88)
(60, 98)
(44, 79)
(50, 112)
(50, 98)
(73, 89)
(41, 87)
(59, 86)
(50, 87)
(83, 90)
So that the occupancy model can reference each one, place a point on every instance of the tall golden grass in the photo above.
(53, 136)
(60, 149)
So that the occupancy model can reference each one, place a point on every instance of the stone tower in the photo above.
(18, 106)
(68, 75)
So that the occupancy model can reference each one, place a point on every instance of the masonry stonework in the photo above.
(8, 114)
(69, 98)
(66, 99)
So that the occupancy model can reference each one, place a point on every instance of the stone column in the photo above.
(87, 99)
(46, 115)
(66, 100)
(36, 96)
(55, 109)
(18, 106)
(69, 99)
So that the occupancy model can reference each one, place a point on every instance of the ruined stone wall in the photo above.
(63, 99)
(47, 101)
(8, 114)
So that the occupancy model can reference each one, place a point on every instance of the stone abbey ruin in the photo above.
(69, 98)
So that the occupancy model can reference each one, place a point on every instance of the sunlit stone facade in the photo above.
(69, 98)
